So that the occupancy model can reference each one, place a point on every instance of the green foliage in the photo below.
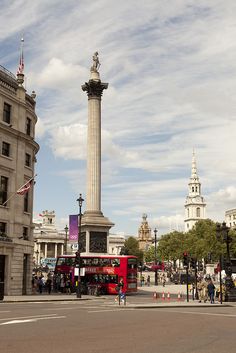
(149, 255)
(200, 242)
(131, 247)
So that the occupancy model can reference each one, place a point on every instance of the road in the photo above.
(101, 326)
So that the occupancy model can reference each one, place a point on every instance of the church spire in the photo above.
(195, 204)
(194, 167)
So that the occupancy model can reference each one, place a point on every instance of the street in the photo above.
(100, 325)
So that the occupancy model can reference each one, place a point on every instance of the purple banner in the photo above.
(73, 227)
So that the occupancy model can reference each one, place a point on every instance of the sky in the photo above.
(171, 69)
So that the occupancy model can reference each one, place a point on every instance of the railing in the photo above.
(7, 72)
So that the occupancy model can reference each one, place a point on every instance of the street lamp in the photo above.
(66, 230)
(80, 201)
(155, 243)
(222, 233)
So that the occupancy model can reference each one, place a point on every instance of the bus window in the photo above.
(115, 262)
(132, 263)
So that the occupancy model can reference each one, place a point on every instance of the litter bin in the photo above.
(1, 290)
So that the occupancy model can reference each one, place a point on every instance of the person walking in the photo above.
(211, 291)
(148, 280)
(49, 284)
(200, 291)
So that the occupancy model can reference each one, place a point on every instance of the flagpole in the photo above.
(18, 190)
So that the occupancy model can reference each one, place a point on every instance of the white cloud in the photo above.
(170, 67)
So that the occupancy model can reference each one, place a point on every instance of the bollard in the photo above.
(168, 295)
(163, 296)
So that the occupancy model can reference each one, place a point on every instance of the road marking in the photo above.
(31, 320)
(107, 310)
(189, 312)
(202, 313)
(26, 317)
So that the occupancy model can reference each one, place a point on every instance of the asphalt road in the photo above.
(101, 326)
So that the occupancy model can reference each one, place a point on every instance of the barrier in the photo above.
(168, 295)
(179, 296)
(155, 295)
(163, 295)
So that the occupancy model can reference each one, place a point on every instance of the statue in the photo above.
(96, 63)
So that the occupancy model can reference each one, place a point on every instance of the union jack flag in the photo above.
(24, 189)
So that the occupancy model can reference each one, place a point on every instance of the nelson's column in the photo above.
(95, 227)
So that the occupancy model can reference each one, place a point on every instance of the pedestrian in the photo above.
(49, 285)
(40, 285)
(148, 280)
(119, 288)
(211, 291)
(68, 286)
(163, 280)
(142, 280)
(62, 283)
(34, 284)
(200, 291)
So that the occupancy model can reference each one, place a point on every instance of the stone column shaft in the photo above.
(93, 197)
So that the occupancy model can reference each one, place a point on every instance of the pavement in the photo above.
(160, 297)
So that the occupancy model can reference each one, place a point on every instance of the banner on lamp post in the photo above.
(73, 227)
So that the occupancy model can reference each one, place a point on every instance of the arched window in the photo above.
(188, 212)
(198, 211)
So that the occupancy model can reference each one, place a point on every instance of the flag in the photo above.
(24, 189)
(21, 63)
(73, 227)
(40, 215)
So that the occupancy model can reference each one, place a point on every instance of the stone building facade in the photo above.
(18, 151)
(230, 218)
(48, 241)
(144, 235)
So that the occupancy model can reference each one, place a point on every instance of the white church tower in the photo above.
(195, 206)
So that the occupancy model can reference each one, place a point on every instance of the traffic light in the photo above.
(193, 263)
(185, 259)
(200, 266)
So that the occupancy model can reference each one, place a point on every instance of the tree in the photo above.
(131, 247)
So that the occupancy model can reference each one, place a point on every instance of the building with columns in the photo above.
(48, 241)
(18, 151)
(230, 218)
(195, 206)
(144, 235)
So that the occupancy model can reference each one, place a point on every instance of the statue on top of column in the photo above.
(96, 64)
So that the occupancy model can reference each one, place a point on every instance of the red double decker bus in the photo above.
(104, 271)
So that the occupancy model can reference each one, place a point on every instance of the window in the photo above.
(25, 233)
(26, 202)
(3, 228)
(5, 149)
(192, 188)
(3, 189)
(7, 113)
(28, 126)
(198, 212)
(27, 159)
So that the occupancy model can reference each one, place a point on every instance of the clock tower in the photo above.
(195, 206)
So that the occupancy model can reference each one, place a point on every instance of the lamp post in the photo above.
(78, 292)
(155, 243)
(222, 233)
(66, 231)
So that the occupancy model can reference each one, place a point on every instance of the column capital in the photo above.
(94, 88)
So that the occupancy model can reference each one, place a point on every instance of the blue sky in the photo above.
(171, 68)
